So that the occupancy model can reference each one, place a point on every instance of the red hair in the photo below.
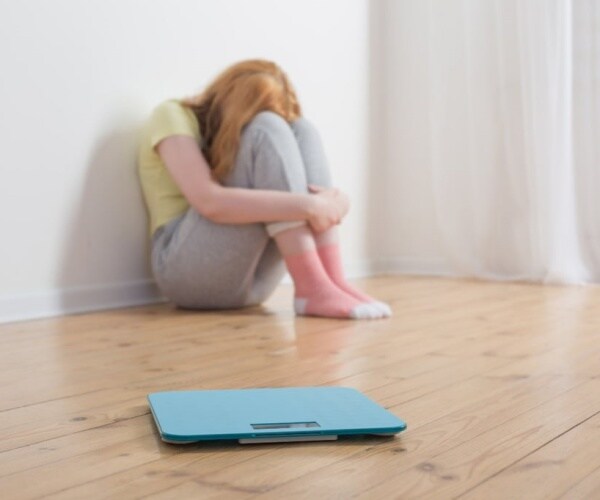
(233, 98)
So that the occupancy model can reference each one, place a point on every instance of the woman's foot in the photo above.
(316, 295)
(332, 262)
(331, 302)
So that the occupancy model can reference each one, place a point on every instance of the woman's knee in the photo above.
(308, 137)
(271, 124)
(269, 121)
(269, 156)
(304, 126)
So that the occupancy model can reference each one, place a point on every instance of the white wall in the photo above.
(78, 79)
(406, 238)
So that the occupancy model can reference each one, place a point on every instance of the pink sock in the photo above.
(316, 295)
(331, 259)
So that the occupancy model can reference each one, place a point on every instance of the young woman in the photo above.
(238, 189)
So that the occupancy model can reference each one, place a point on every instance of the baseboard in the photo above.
(412, 266)
(94, 298)
(77, 300)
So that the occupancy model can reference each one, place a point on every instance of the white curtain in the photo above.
(515, 135)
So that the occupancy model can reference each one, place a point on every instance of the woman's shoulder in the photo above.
(172, 116)
(170, 107)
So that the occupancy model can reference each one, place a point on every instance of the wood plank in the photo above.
(423, 379)
(495, 380)
(286, 464)
(569, 458)
(417, 468)
(316, 372)
(587, 488)
(465, 421)
(462, 467)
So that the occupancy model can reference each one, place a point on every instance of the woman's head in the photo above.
(233, 98)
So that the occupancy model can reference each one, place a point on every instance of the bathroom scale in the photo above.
(269, 415)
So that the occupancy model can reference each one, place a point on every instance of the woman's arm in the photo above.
(227, 205)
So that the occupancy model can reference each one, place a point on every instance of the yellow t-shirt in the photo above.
(163, 198)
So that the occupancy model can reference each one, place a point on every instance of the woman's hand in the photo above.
(331, 205)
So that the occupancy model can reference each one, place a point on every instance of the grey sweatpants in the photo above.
(200, 264)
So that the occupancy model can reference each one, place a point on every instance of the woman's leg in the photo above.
(204, 265)
(328, 242)
(312, 152)
(200, 264)
(315, 294)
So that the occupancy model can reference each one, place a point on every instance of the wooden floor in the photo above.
(499, 385)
